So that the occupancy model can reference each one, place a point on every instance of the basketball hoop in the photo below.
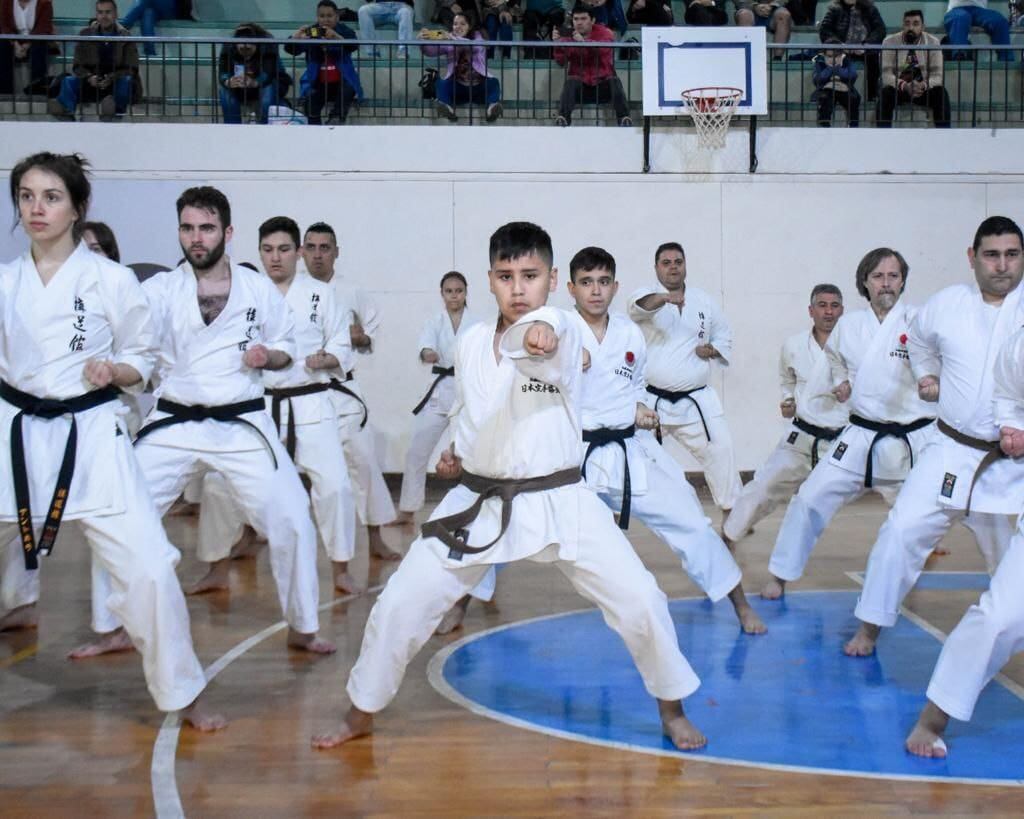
(711, 109)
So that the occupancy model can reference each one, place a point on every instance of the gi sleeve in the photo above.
(368, 316)
(923, 341)
(134, 329)
(428, 338)
(1008, 383)
(337, 340)
(720, 333)
(635, 311)
(563, 366)
(640, 373)
(787, 375)
(279, 323)
(836, 361)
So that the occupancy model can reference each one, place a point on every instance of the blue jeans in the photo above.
(386, 12)
(958, 24)
(231, 102)
(452, 93)
(72, 89)
(149, 11)
(497, 30)
(611, 15)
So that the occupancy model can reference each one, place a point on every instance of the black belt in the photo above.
(818, 433)
(280, 394)
(46, 408)
(883, 431)
(602, 437)
(441, 373)
(451, 530)
(339, 386)
(228, 413)
(992, 451)
(675, 397)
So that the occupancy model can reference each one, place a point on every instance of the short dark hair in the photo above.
(207, 198)
(579, 8)
(247, 30)
(281, 224)
(322, 227)
(73, 170)
(913, 13)
(454, 274)
(871, 260)
(517, 239)
(104, 238)
(996, 226)
(591, 258)
(668, 246)
(106, 2)
(818, 289)
(327, 4)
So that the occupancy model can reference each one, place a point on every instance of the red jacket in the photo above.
(44, 17)
(589, 65)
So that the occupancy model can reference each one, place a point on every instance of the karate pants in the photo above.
(989, 634)
(774, 483)
(427, 429)
(318, 453)
(273, 501)
(606, 571)
(716, 458)
(916, 523)
(827, 489)
(373, 498)
(142, 590)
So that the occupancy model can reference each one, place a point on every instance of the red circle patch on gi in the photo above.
(903, 338)
(630, 358)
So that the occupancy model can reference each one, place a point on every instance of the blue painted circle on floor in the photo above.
(790, 698)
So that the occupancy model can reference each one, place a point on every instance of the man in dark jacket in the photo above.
(856, 22)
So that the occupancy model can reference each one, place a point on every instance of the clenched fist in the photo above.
(540, 339)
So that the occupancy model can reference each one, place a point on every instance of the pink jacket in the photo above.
(447, 48)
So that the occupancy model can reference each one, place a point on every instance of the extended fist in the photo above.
(1011, 440)
(928, 388)
(842, 392)
(256, 357)
(540, 339)
(788, 408)
(99, 373)
(449, 466)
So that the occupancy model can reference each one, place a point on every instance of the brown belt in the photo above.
(991, 449)
(451, 530)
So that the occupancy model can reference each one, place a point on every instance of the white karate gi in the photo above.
(429, 423)
(519, 418)
(805, 376)
(672, 336)
(93, 308)
(318, 451)
(993, 630)
(873, 356)
(202, 365)
(955, 336)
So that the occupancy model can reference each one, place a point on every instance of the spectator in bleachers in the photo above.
(399, 12)
(909, 75)
(466, 77)
(608, 13)
(962, 14)
(104, 71)
(497, 20)
(330, 75)
(650, 13)
(856, 22)
(591, 74)
(540, 18)
(834, 77)
(706, 13)
(99, 238)
(150, 12)
(248, 74)
(803, 12)
(445, 11)
(24, 17)
(773, 15)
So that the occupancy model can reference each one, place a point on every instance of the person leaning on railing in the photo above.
(910, 75)
(25, 17)
(856, 22)
(248, 74)
(466, 77)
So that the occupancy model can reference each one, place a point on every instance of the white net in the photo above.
(711, 109)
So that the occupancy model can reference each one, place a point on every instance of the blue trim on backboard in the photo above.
(744, 102)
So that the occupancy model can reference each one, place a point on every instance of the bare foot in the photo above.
(926, 737)
(309, 642)
(940, 551)
(200, 719)
(215, 579)
(343, 581)
(356, 724)
(863, 642)
(453, 617)
(749, 620)
(26, 617)
(683, 733)
(773, 589)
(109, 643)
(403, 519)
(379, 550)
(248, 545)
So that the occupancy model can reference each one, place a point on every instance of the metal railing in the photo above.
(181, 83)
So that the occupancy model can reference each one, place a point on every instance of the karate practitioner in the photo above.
(517, 450)
(298, 399)
(685, 332)
(993, 630)
(75, 329)
(818, 417)
(373, 498)
(222, 325)
(889, 423)
(953, 344)
(430, 416)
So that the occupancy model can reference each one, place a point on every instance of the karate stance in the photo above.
(517, 451)
(75, 329)
(953, 344)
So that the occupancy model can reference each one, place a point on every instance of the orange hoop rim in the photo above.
(714, 94)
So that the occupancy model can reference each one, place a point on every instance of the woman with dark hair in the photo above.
(466, 76)
(75, 330)
(854, 23)
(25, 17)
(430, 416)
(99, 238)
(248, 74)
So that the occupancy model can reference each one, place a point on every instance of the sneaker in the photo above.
(107, 109)
(59, 111)
(494, 111)
(561, 121)
(445, 110)
(626, 122)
